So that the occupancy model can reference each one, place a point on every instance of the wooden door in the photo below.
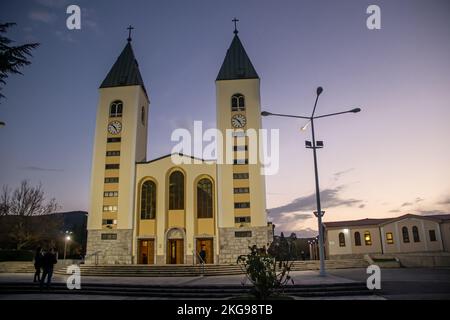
(207, 245)
(175, 251)
(147, 251)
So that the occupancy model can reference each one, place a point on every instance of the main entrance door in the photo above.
(147, 251)
(175, 251)
(207, 245)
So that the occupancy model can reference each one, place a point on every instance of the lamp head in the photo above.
(2, 124)
(319, 91)
(265, 113)
(356, 110)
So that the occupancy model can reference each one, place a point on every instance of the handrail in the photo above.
(202, 262)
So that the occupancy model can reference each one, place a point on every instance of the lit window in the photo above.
(389, 238)
(341, 239)
(110, 208)
(367, 238)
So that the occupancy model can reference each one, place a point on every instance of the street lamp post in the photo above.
(66, 239)
(315, 145)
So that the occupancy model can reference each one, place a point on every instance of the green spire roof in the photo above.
(237, 64)
(125, 71)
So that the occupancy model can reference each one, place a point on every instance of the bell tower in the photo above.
(120, 141)
(241, 197)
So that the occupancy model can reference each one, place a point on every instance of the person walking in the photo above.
(37, 264)
(48, 261)
(203, 255)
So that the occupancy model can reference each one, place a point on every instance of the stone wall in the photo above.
(231, 247)
(117, 251)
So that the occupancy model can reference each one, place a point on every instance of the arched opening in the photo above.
(237, 102)
(175, 246)
(357, 238)
(341, 239)
(148, 200)
(415, 232)
(116, 108)
(176, 191)
(405, 234)
(205, 198)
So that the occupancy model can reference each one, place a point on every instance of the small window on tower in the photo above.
(115, 109)
(237, 102)
(143, 116)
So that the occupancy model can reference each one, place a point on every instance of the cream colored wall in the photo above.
(350, 248)
(158, 172)
(250, 88)
(445, 234)
(423, 226)
(363, 248)
(133, 97)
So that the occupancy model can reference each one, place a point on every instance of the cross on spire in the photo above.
(129, 33)
(235, 25)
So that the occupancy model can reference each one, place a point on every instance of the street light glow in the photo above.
(68, 238)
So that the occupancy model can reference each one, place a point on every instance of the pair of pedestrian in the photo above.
(45, 261)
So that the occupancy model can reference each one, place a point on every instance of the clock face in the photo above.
(115, 127)
(238, 121)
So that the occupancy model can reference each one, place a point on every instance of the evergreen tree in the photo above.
(12, 58)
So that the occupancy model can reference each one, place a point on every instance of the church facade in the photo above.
(163, 212)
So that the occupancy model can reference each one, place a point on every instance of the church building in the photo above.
(158, 212)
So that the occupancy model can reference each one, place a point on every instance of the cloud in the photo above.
(339, 174)
(329, 199)
(52, 3)
(33, 168)
(300, 233)
(418, 199)
(445, 201)
(394, 211)
(431, 212)
(65, 36)
(42, 16)
(362, 206)
(406, 204)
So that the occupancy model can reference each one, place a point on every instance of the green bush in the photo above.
(16, 255)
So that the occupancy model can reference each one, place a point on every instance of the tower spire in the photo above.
(235, 25)
(130, 28)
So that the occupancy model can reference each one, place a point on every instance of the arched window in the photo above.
(176, 191)
(341, 239)
(204, 199)
(237, 102)
(405, 235)
(357, 238)
(416, 236)
(148, 200)
(115, 110)
(367, 238)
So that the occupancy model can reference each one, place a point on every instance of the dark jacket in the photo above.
(38, 260)
(48, 261)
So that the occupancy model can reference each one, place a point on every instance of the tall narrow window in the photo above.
(148, 200)
(143, 116)
(405, 234)
(204, 199)
(416, 236)
(432, 235)
(176, 191)
(367, 238)
(115, 110)
(341, 239)
(357, 238)
(237, 102)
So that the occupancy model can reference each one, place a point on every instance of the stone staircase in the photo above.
(175, 270)
(186, 291)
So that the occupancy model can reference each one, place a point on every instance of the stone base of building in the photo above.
(234, 242)
(114, 247)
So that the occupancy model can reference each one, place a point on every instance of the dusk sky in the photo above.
(391, 159)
